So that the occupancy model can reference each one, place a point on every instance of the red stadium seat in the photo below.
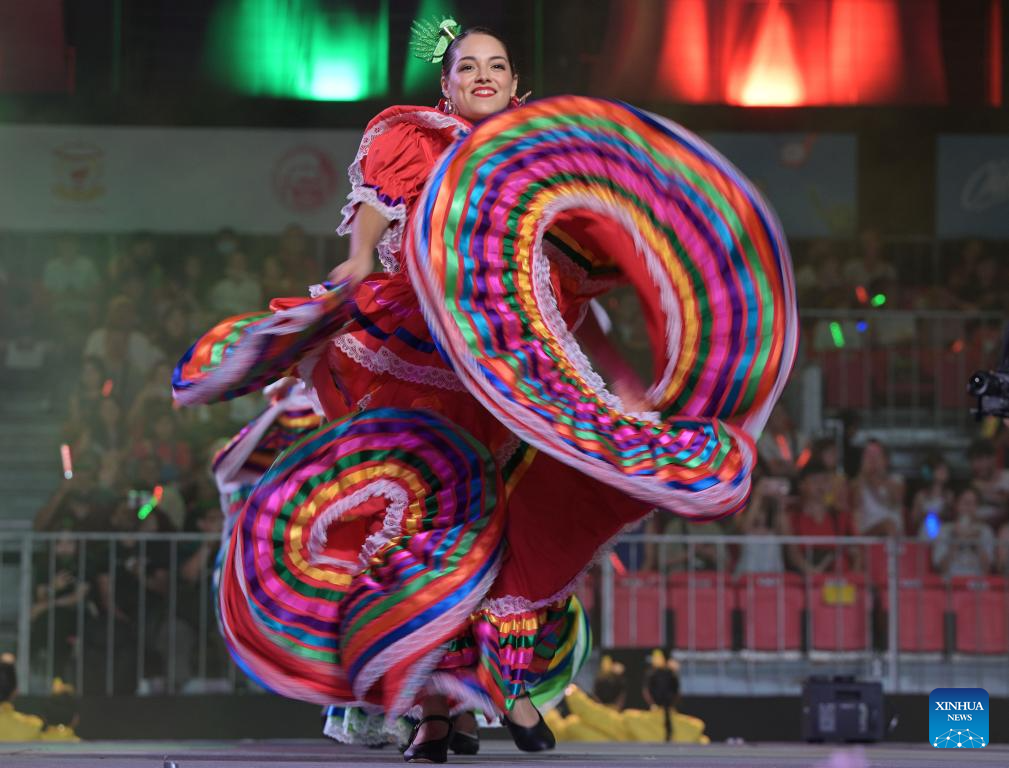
(920, 614)
(914, 561)
(980, 606)
(845, 373)
(837, 608)
(772, 606)
(695, 598)
(638, 615)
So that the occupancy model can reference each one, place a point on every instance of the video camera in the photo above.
(991, 388)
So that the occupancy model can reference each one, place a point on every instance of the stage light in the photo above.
(861, 326)
(298, 49)
(879, 300)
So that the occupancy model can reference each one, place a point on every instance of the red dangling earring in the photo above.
(446, 106)
(514, 102)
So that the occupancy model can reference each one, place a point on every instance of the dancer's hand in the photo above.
(353, 271)
(632, 395)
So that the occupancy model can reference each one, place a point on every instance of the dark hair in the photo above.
(609, 687)
(8, 677)
(663, 685)
(448, 60)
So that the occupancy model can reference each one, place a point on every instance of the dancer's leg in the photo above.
(432, 730)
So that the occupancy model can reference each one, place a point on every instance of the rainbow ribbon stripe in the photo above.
(710, 260)
(245, 353)
(360, 553)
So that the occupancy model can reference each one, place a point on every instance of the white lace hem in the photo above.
(384, 361)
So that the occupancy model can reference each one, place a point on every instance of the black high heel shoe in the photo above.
(535, 738)
(465, 743)
(433, 751)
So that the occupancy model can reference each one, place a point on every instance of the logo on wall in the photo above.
(304, 179)
(78, 172)
(958, 718)
(987, 186)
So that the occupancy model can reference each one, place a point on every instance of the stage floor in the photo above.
(320, 754)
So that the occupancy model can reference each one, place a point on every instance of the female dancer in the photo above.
(425, 556)
(390, 337)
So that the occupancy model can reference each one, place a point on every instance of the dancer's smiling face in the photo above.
(479, 79)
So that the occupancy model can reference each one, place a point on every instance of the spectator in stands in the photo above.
(71, 280)
(106, 431)
(877, 495)
(684, 555)
(146, 476)
(238, 291)
(825, 475)
(780, 445)
(989, 290)
(815, 518)
(77, 502)
(173, 335)
(990, 482)
(58, 595)
(82, 405)
(934, 499)
(155, 396)
(962, 276)
(296, 265)
(870, 266)
(819, 281)
(764, 516)
(162, 442)
(965, 547)
(15, 726)
(126, 353)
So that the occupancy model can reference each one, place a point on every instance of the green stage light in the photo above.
(297, 49)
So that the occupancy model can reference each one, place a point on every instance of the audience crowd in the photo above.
(98, 338)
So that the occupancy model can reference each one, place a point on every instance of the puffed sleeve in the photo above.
(396, 166)
(397, 153)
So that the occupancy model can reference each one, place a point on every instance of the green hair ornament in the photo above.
(430, 39)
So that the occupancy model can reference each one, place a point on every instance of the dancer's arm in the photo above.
(366, 230)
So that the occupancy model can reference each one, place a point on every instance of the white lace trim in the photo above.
(391, 526)
(353, 725)
(384, 361)
(547, 303)
(511, 444)
(392, 239)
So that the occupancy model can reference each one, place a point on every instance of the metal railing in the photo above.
(134, 613)
(871, 606)
(909, 368)
(113, 613)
